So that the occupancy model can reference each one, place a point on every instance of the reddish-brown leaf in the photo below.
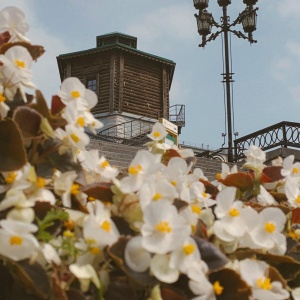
(42, 108)
(295, 216)
(4, 37)
(34, 50)
(56, 105)
(234, 287)
(170, 294)
(12, 151)
(101, 191)
(271, 174)
(240, 180)
(29, 121)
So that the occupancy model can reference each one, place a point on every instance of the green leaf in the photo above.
(48, 221)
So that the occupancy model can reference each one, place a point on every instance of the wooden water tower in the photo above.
(130, 84)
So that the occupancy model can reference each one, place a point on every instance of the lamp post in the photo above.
(205, 23)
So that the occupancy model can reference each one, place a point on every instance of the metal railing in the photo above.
(135, 131)
(283, 134)
(176, 114)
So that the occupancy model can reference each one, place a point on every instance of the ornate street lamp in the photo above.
(201, 4)
(205, 23)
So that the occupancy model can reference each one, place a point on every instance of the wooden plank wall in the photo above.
(142, 87)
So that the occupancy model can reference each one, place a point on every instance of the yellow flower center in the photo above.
(163, 227)
(40, 182)
(80, 121)
(134, 170)
(20, 63)
(196, 209)
(68, 234)
(75, 94)
(264, 283)
(95, 250)
(106, 226)
(90, 241)
(11, 177)
(74, 137)
(156, 134)
(104, 164)
(75, 189)
(2, 98)
(270, 227)
(70, 224)
(174, 182)
(204, 195)
(218, 176)
(193, 228)
(188, 249)
(234, 212)
(218, 289)
(295, 170)
(157, 196)
(16, 240)
(298, 199)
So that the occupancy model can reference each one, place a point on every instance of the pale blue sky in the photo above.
(267, 74)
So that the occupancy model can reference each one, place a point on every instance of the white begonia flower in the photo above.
(17, 240)
(136, 257)
(143, 165)
(292, 192)
(161, 269)
(234, 219)
(200, 174)
(4, 108)
(289, 168)
(72, 138)
(81, 119)
(265, 198)
(296, 293)
(100, 165)
(164, 229)
(156, 189)
(199, 284)
(158, 132)
(255, 273)
(20, 204)
(185, 255)
(51, 254)
(76, 96)
(64, 186)
(199, 196)
(15, 70)
(226, 170)
(12, 19)
(267, 232)
(85, 275)
(255, 158)
(98, 226)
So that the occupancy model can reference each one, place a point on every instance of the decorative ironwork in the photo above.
(283, 134)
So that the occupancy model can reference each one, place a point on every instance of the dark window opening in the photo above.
(92, 84)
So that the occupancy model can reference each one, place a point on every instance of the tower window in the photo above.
(92, 84)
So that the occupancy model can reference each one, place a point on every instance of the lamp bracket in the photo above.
(212, 37)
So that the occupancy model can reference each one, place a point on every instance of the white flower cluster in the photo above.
(171, 217)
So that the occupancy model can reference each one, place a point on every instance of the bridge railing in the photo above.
(283, 134)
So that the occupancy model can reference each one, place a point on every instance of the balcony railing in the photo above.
(283, 134)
